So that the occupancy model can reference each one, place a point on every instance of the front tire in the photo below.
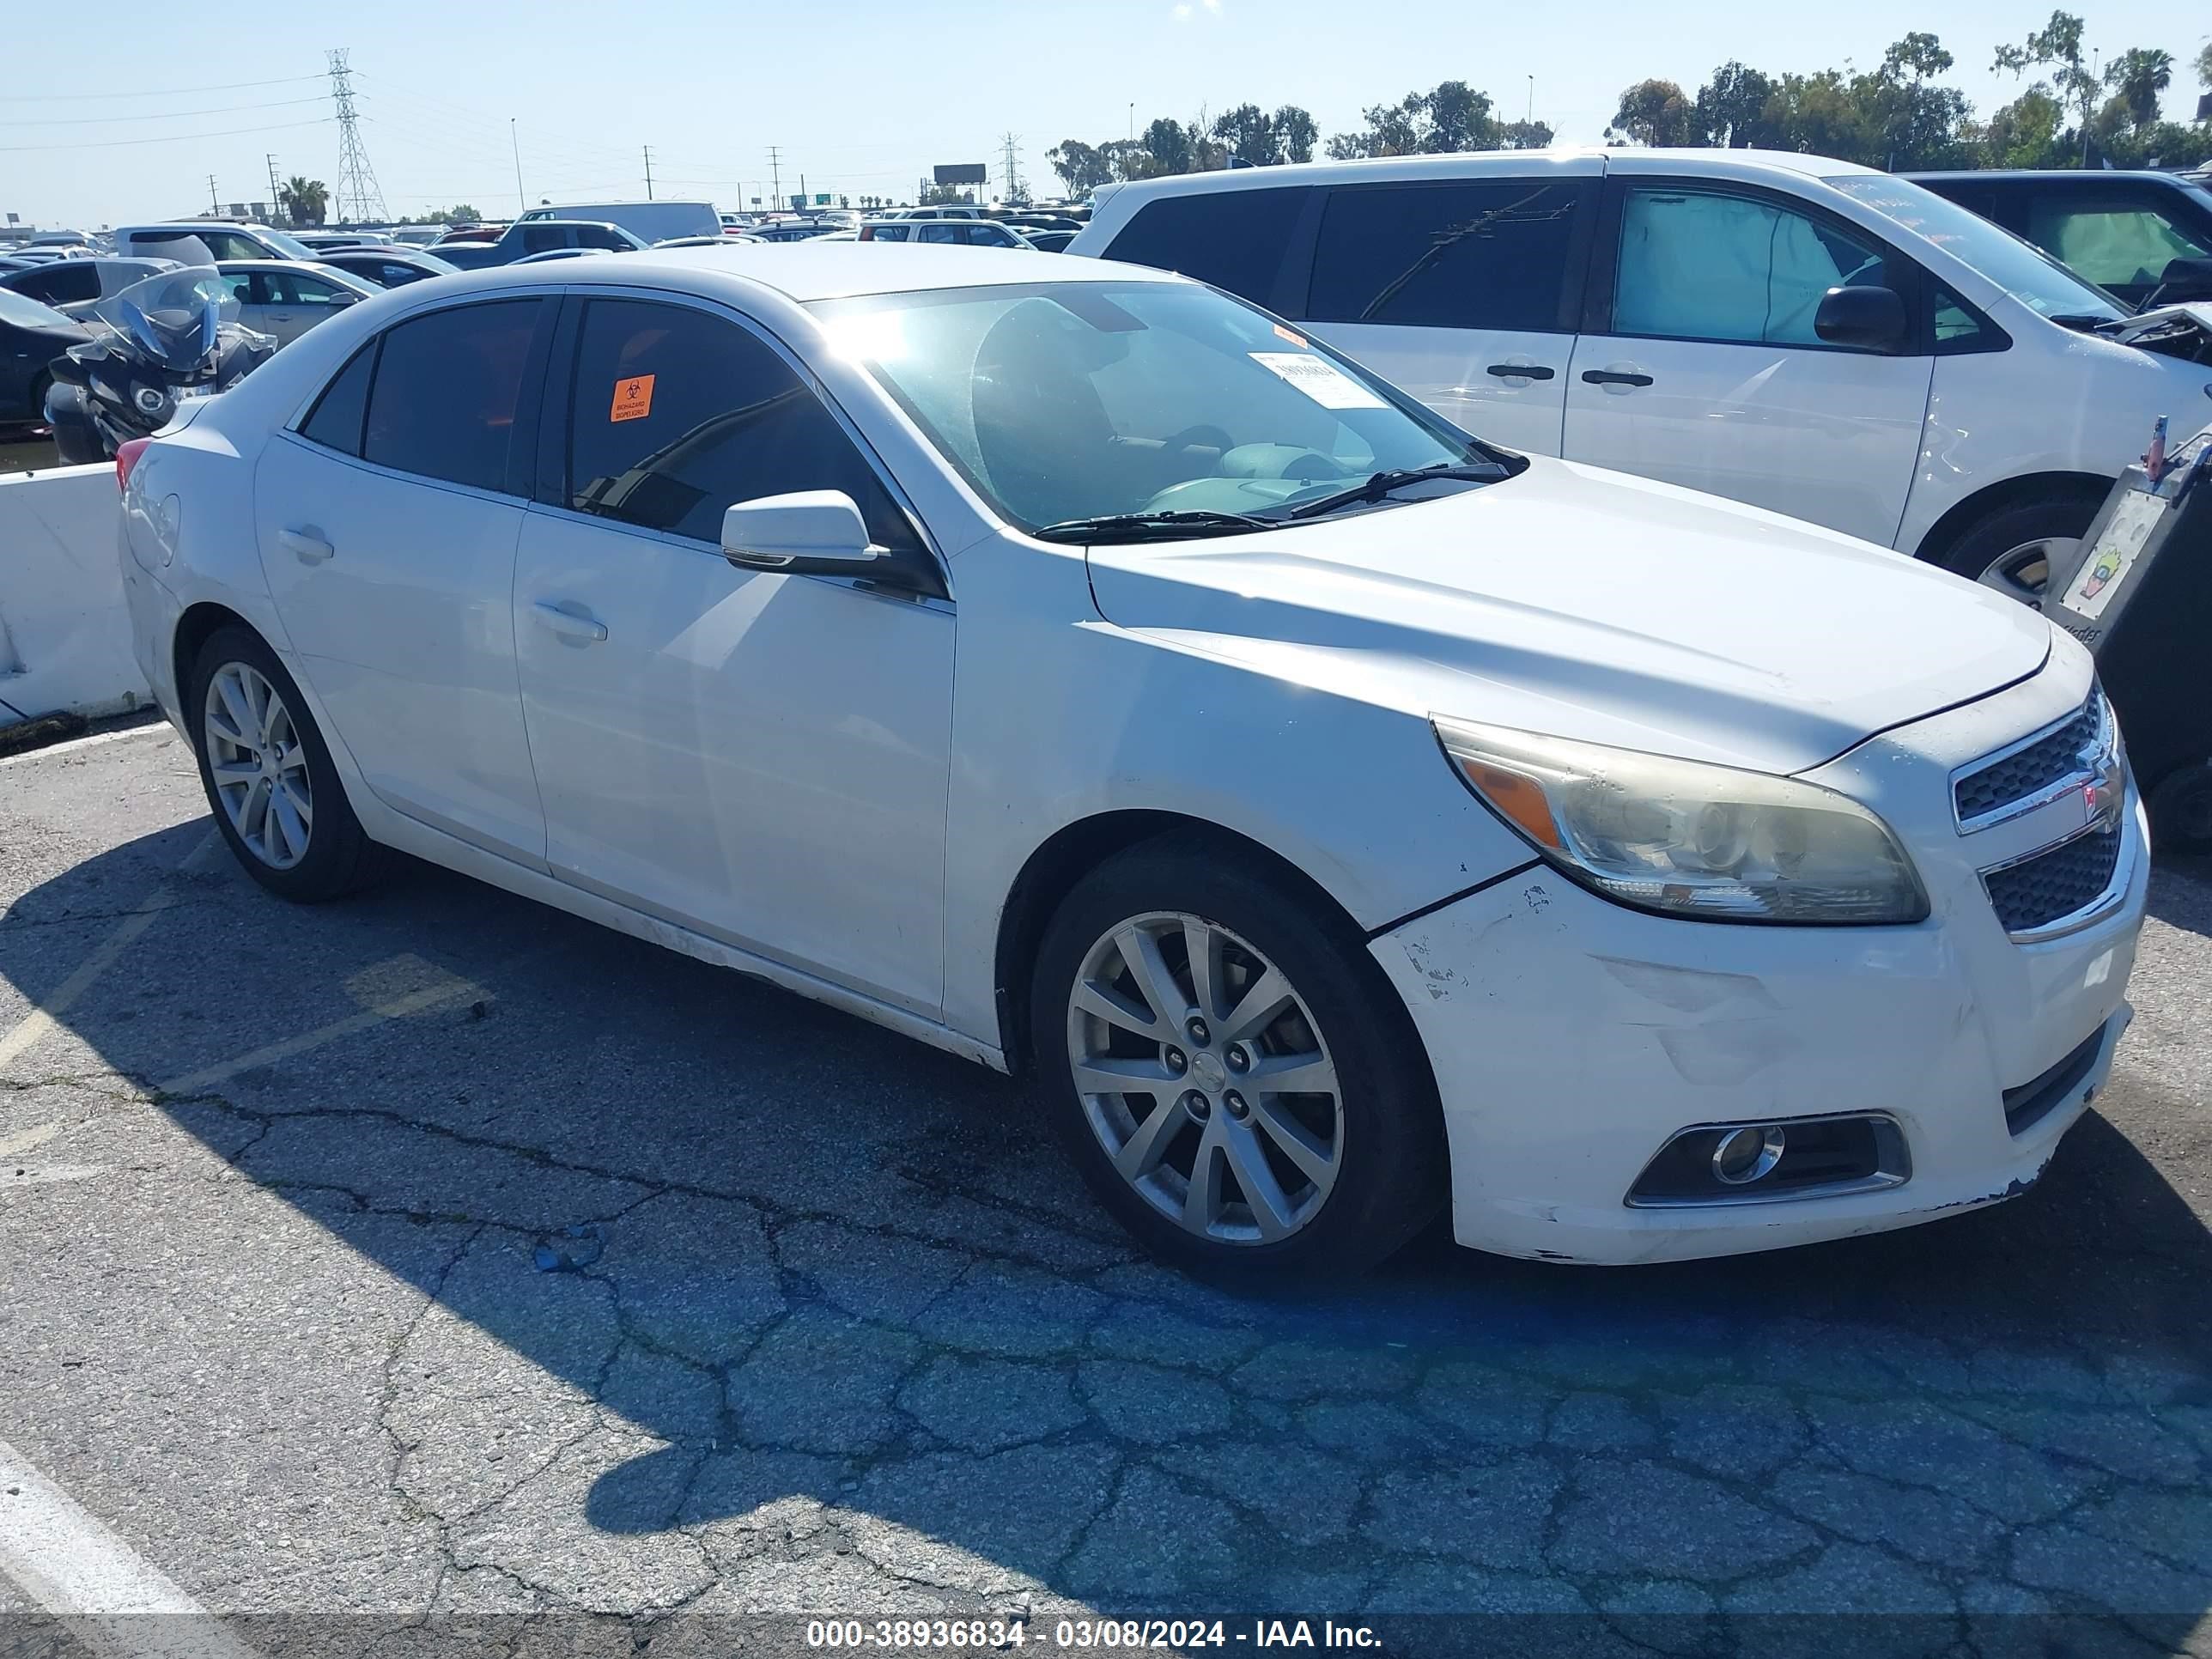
(1235, 1079)
(2015, 549)
(269, 782)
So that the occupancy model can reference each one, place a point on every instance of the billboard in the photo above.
(963, 173)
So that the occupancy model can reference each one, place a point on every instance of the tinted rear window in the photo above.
(1488, 255)
(1234, 238)
(449, 392)
(336, 420)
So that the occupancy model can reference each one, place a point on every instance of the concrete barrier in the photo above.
(64, 635)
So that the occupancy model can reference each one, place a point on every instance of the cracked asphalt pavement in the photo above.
(830, 1327)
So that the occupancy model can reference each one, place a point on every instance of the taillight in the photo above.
(867, 233)
(126, 457)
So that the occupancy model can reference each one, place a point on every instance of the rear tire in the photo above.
(268, 774)
(1343, 1169)
(2012, 549)
(2181, 811)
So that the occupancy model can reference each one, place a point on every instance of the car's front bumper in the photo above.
(1571, 1037)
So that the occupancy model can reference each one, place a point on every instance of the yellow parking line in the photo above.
(42, 1019)
(194, 1082)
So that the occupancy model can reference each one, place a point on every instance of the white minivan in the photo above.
(1796, 332)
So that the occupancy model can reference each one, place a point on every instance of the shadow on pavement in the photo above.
(845, 1331)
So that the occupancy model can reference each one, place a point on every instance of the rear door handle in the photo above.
(1614, 377)
(570, 624)
(305, 545)
(1519, 371)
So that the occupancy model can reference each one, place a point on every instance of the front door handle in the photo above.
(1519, 371)
(1613, 377)
(568, 624)
(306, 544)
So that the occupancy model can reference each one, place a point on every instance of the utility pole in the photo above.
(514, 141)
(775, 178)
(1009, 183)
(274, 192)
(1532, 99)
(648, 173)
(214, 206)
(357, 197)
(803, 199)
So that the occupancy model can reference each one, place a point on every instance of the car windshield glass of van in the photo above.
(1165, 407)
(2020, 268)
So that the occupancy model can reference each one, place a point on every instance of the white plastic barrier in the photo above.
(65, 635)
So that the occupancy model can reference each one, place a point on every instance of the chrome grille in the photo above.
(2042, 765)
(2055, 883)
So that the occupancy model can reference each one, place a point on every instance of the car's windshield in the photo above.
(24, 311)
(2022, 269)
(1064, 401)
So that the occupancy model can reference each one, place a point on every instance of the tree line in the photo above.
(1897, 115)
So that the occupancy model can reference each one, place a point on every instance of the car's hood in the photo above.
(1591, 604)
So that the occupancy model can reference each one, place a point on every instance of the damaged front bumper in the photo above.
(1572, 1039)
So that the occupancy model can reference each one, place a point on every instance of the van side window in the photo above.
(1492, 254)
(1233, 239)
(1704, 265)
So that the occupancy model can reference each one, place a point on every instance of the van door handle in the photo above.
(305, 545)
(1519, 371)
(1614, 377)
(568, 624)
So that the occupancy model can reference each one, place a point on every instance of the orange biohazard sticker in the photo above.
(1295, 339)
(633, 398)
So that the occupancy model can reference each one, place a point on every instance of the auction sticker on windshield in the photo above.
(1319, 379)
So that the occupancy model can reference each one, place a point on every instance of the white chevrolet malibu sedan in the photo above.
(1071, 666)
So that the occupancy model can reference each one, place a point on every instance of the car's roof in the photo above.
(2061, 178)
(806, 271)
(1583, 159)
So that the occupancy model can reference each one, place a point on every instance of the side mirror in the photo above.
(812, 532)
(1867, 319)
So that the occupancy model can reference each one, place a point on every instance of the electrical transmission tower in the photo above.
(1010, 186)
(357, 197)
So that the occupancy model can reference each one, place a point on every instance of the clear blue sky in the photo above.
(860, 95)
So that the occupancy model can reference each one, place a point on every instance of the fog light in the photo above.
(1746, 1154)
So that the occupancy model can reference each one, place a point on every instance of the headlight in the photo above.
(1687, 839)
(151, 400)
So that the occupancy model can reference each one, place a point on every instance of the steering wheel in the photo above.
(1191, 437)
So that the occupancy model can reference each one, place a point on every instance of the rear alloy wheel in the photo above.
(1233, 1076)
(258, 766)
(269, 778)
(2015, 549)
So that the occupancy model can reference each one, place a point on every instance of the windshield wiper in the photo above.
(2085, 322)
(1169, 526)
(1379, 484)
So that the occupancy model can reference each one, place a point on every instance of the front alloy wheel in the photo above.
(258, 766)
(1206, 1078)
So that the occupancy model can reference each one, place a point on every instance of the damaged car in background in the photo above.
(1342, 820)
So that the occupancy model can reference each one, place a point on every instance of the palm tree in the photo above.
(2137, 77)
(304, 201)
